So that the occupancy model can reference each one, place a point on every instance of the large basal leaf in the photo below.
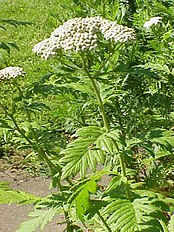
(90, 148)
(124, 215)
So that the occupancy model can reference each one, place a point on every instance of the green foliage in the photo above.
(81, 197)
(8, 196)
(39, 219)
(83, 152)
(103, 113)
(137, 215)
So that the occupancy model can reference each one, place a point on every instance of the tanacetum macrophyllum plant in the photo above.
(89, 51)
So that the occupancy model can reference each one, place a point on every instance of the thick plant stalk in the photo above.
(102, 110)
(106, 121)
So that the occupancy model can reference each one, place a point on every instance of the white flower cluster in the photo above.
(152, 21)
(116, 32)
(11, 72)
(81, 34)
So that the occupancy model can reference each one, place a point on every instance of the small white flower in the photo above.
(153, 21)
(11, 72)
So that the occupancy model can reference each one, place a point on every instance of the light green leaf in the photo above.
(40, 218)
(171, 224)
(114, 183)
(129, 216)
(165, 229)
(8, 196)
(83, 153)
(91, 147)
(81, 197)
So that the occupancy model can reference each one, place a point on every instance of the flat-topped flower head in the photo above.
(153, 21)
(11, 72)
(82, 34)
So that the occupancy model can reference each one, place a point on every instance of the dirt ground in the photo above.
(12, 215)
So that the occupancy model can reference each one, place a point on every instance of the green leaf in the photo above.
(114, 183)
(16, 22)
(131, 216)
(4, 46)
(40, 218)
(171, 224)
(165, 229)
(4, 124)
(8, 196)
(91, 147)
(82, 199)
(82, 153)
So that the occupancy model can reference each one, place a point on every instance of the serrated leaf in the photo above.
(82, 154)
(40, 219)
(82, 200)
(130, 216)
(91, 147)
(114, 183)
(8, 196)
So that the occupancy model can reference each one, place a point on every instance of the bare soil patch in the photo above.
(11, 216)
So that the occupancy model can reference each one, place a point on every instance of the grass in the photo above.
(42, 16)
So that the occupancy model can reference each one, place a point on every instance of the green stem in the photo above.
(16, 124)
(102, 110)
(122, 157)
(119, 113)
(42, 154)
(105, 120)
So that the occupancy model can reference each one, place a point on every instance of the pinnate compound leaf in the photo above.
(40, 219)
(127, 216)
(90, 148)
(8, 196)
